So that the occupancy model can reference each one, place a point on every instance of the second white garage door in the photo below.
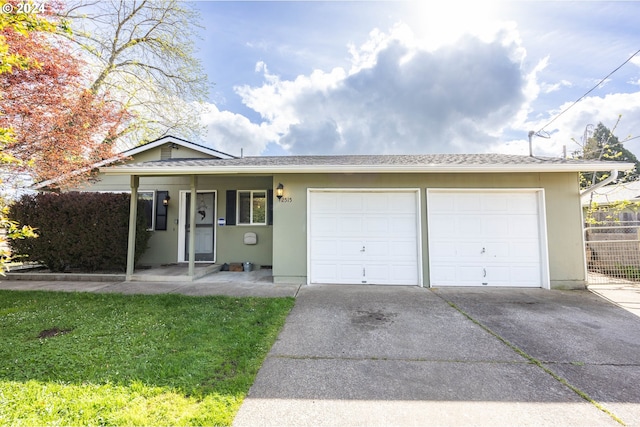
(487, 238)
(364, 237)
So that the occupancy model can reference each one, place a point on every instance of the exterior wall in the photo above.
(176, 153)
(563, 216)
(163, 245)
(284, 245)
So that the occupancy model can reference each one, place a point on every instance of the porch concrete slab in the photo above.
(247, 289)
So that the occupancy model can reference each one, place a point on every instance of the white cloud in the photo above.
(397, 98)
(229, 132)
(568, 128)
(402, 94)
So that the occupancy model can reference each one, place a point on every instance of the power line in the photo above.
(589, 91)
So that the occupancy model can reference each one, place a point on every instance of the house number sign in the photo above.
(286, 200)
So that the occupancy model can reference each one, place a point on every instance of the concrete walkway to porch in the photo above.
(253, 283)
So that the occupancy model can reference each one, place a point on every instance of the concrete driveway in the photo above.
(379, 356)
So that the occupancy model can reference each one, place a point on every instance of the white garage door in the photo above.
(367, 237)
(487, 238)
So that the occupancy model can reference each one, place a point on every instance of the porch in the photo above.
(257, 283)
(169, 273)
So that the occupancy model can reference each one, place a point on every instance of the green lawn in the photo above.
(104, 359)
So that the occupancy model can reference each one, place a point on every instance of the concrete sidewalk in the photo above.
(400, 356)
(254, 283)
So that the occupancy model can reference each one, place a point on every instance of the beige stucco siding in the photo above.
(564, 231)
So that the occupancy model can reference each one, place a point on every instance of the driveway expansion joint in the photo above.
(534, 361)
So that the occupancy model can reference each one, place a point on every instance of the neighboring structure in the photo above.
(612, 233)
(426, 220)
(615, 203)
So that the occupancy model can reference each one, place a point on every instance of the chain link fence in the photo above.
(613, 252)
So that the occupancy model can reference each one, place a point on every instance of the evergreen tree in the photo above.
(604, 145)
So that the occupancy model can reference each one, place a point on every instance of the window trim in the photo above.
(251, 196)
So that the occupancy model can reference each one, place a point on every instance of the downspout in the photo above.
(610, 179)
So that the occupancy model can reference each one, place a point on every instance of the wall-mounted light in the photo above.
(279, 191)
(165, 201)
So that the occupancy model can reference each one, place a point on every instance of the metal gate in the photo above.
(613, 252)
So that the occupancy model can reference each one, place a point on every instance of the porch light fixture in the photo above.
(165, 201)
(279, 191)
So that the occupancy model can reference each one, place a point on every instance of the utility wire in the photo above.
(589, 91)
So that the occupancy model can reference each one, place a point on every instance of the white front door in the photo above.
(204, 226)
(487, 238)
(364, 237)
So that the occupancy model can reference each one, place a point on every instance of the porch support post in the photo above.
(133, 215)
(192, 227)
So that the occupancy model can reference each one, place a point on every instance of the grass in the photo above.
(104, 359)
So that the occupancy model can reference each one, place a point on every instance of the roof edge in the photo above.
(221, 170)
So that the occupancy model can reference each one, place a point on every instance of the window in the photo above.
(252, 207)
(147, 199)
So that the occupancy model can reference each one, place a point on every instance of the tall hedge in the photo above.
(85, 231)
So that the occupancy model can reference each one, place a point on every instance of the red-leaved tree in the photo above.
(60, 128)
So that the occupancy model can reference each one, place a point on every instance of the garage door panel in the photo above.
(374, 237)
(375, 225)
(524, 226)
(494, 203)
(391, 274)
(349, 223)
(403, 249)
(350, 202)
(403, 224)
(497, 245)
(467, 203)
(325, 272)
(325, 248)
(326, 224)
(351, 272)
(324, 203)
(528, 250)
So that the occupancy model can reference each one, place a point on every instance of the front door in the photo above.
(204, 227)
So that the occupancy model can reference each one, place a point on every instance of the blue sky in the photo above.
(410, 77)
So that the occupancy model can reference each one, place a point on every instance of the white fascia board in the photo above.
(184, 143)
(222, 170)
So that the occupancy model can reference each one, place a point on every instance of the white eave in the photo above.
(255, 167)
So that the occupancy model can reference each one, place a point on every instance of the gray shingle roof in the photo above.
(374, 163)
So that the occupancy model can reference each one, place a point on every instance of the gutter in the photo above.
(261, 169)
(587, 191)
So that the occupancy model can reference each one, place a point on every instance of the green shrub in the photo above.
(87, 231)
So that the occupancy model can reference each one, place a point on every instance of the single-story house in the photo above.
(485, 220)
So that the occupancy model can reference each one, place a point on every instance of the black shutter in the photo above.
(161, 210)
(270, 207)
(231, 207)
